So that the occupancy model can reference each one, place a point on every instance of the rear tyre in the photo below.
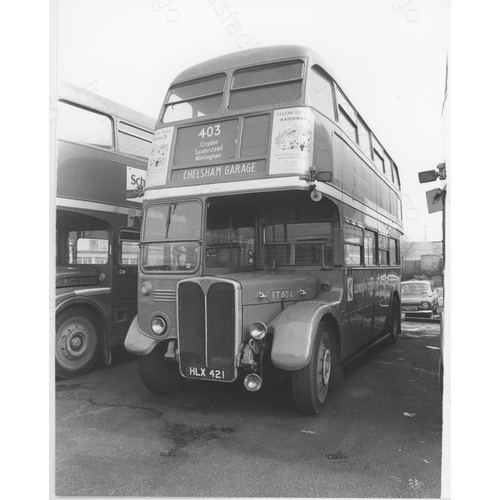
(310, 385)
(78, 343)
(158, 375)
(395, 323)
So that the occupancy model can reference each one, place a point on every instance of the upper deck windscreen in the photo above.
(266, 85)
(193, 99)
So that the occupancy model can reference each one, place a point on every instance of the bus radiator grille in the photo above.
(206, 325)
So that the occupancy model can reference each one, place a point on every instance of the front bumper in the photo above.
(415, 311)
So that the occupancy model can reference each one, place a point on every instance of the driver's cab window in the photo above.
(88, 247)
(230, 238)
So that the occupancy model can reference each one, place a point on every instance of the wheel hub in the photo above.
(327, 367)
(324, 367)
(74, 342)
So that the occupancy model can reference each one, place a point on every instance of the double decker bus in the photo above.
(270, 236)
(103, 149)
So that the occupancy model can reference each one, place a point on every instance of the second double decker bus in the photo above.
(103, 148)
(270, 237)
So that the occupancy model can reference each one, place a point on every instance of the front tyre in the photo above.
(310, 384)
(158, 375)
(78, 344)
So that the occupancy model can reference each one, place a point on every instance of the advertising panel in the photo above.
(292, 141)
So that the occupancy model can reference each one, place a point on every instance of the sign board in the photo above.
(135, 178)
(434, 200)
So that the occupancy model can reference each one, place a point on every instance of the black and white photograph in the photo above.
(250, 250)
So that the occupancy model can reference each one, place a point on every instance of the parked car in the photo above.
(418, 299)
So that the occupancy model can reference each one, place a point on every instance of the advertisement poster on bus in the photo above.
(292, 139)
(160, 154)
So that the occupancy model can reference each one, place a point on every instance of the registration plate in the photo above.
(409, 308)
(206, 373)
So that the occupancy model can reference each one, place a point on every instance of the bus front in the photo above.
(241, 270)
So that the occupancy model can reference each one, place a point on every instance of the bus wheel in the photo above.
(156, 374)
(77, 343)
(310, 385)
(395, 324)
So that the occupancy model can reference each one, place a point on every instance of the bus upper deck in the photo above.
(266, 114)
(112, 135)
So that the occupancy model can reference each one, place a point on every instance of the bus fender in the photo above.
(138, 343)
(75, 300)
(294, 330)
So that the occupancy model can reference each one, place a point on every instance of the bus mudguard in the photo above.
(71, 299)
(136, 342)
(294, 331)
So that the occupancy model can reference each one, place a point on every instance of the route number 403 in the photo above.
(210, 131)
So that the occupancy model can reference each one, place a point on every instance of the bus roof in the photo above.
(261, 55)
(88, 98)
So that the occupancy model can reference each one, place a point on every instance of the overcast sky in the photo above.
(389, 57)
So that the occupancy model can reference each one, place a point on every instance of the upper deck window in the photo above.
(197, 98)
(364, 139)
(378, 156)
(321, 92)
(134, 141)
(347, 116)
(266, 85)
(84, 126)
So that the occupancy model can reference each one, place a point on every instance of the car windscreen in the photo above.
(415, 289)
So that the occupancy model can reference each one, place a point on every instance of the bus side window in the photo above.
(365, 142)
(347, 116)
(353, 245)
(393, 252)
(383, 252)
(128, 248)
(321, 93)
(370, 248)
(88, 247)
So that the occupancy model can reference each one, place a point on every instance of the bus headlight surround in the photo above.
(146, 288)
(159, 325)
(258, 330)
(426, 305)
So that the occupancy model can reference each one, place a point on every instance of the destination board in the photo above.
(229, 172)
(206, 143)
